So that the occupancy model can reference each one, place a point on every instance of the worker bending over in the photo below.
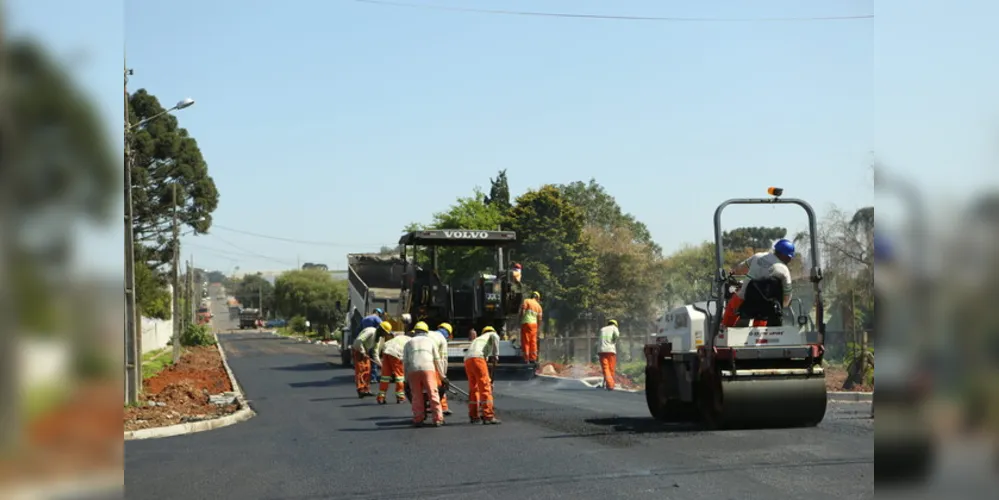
(483, 350)
(424, 369)
(439, 337)
(531, 316)
(607, 350)
(363, 345)
(374, 319)
(761, 266)
(390, 355)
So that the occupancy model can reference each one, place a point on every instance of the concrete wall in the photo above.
(156, 333)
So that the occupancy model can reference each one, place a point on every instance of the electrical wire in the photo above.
(612, 17)
(303, 242)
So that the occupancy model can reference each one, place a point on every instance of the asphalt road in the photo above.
(314, 439)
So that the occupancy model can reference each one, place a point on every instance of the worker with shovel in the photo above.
(389, 353)
(363, 345)
(424, 369)
(480, 383)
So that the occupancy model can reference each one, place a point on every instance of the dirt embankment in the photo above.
(180, 393)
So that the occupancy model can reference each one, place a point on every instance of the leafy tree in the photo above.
(163, 156)
(312, 265)
(690, 272)
(151, 289)
(251, 289)
(600, 209)
(755, 239)
(216, 277)
(557, 255)
(312, 294)
(459, 263)
(632, 278)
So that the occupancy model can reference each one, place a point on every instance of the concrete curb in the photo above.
(851, 397)
(244, 413)
(95, 486)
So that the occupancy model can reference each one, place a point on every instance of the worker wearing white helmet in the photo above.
(390, 353)
(363, 344)
(483, 350)
(761, 266)
(441, 341)
(424, 370)
(607, 351)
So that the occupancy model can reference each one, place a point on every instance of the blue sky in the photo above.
(341, 122)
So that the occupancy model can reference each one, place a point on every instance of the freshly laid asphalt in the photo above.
(313, 438)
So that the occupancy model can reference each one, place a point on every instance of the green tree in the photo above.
(312, 294)
(164, 156)
(632, 277)
(251, 289)
(600, 209)
(690, 272)
(499, 192)
(459, 263)
(752, 238)
(557, 255)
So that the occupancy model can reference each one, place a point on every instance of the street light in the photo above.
(133, 354)
(186, 103)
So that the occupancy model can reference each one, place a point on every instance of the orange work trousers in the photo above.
(392, 372)
(362, 372)
(731, 316)
(529, 341)
(608, 363)
(480, 389)
(420, 382)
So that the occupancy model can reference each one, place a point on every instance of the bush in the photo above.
(297, 324)
(197, 335)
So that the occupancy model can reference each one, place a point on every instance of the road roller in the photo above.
(745, 376)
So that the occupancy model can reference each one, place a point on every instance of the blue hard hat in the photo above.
(444, 332)
(378, 310)
(784, 247)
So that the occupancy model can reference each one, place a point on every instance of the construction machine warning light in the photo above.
(775, 191)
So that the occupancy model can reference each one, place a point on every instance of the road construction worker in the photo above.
(531, 316)
(363, 345)
(762, 265)
(483, 350)
(390, 355)
(607, 351)
(424, 369)
(374, 319)
(439, 337)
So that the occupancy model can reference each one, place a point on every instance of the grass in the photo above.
(154, 362)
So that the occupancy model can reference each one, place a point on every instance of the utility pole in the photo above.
(133, 340)
(188, 295)
(195, 296)
(176, 279)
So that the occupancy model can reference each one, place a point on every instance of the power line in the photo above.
(612, 17)
(293, 240)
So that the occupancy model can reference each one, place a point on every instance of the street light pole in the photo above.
(133, 338)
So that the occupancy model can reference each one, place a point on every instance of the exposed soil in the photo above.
(79, 437)
(585, 370)
(835, 376)
(180, 393)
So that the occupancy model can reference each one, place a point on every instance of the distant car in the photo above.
(276, 323)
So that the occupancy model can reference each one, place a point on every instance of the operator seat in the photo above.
(764, 299)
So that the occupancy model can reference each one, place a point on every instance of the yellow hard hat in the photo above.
(386, 326)
(536, 295)
(446, 326)
(421, 327)
(612, 322)
(488, 329)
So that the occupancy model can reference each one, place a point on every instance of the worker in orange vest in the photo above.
(531, 316)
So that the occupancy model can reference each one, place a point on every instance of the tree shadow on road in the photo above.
(308, 367)
(320, 400)
(387, 425)
(317, 383)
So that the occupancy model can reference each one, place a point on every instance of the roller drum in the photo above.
(762, 402)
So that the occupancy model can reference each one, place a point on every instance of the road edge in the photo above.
(837, 396)
(244, 413)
